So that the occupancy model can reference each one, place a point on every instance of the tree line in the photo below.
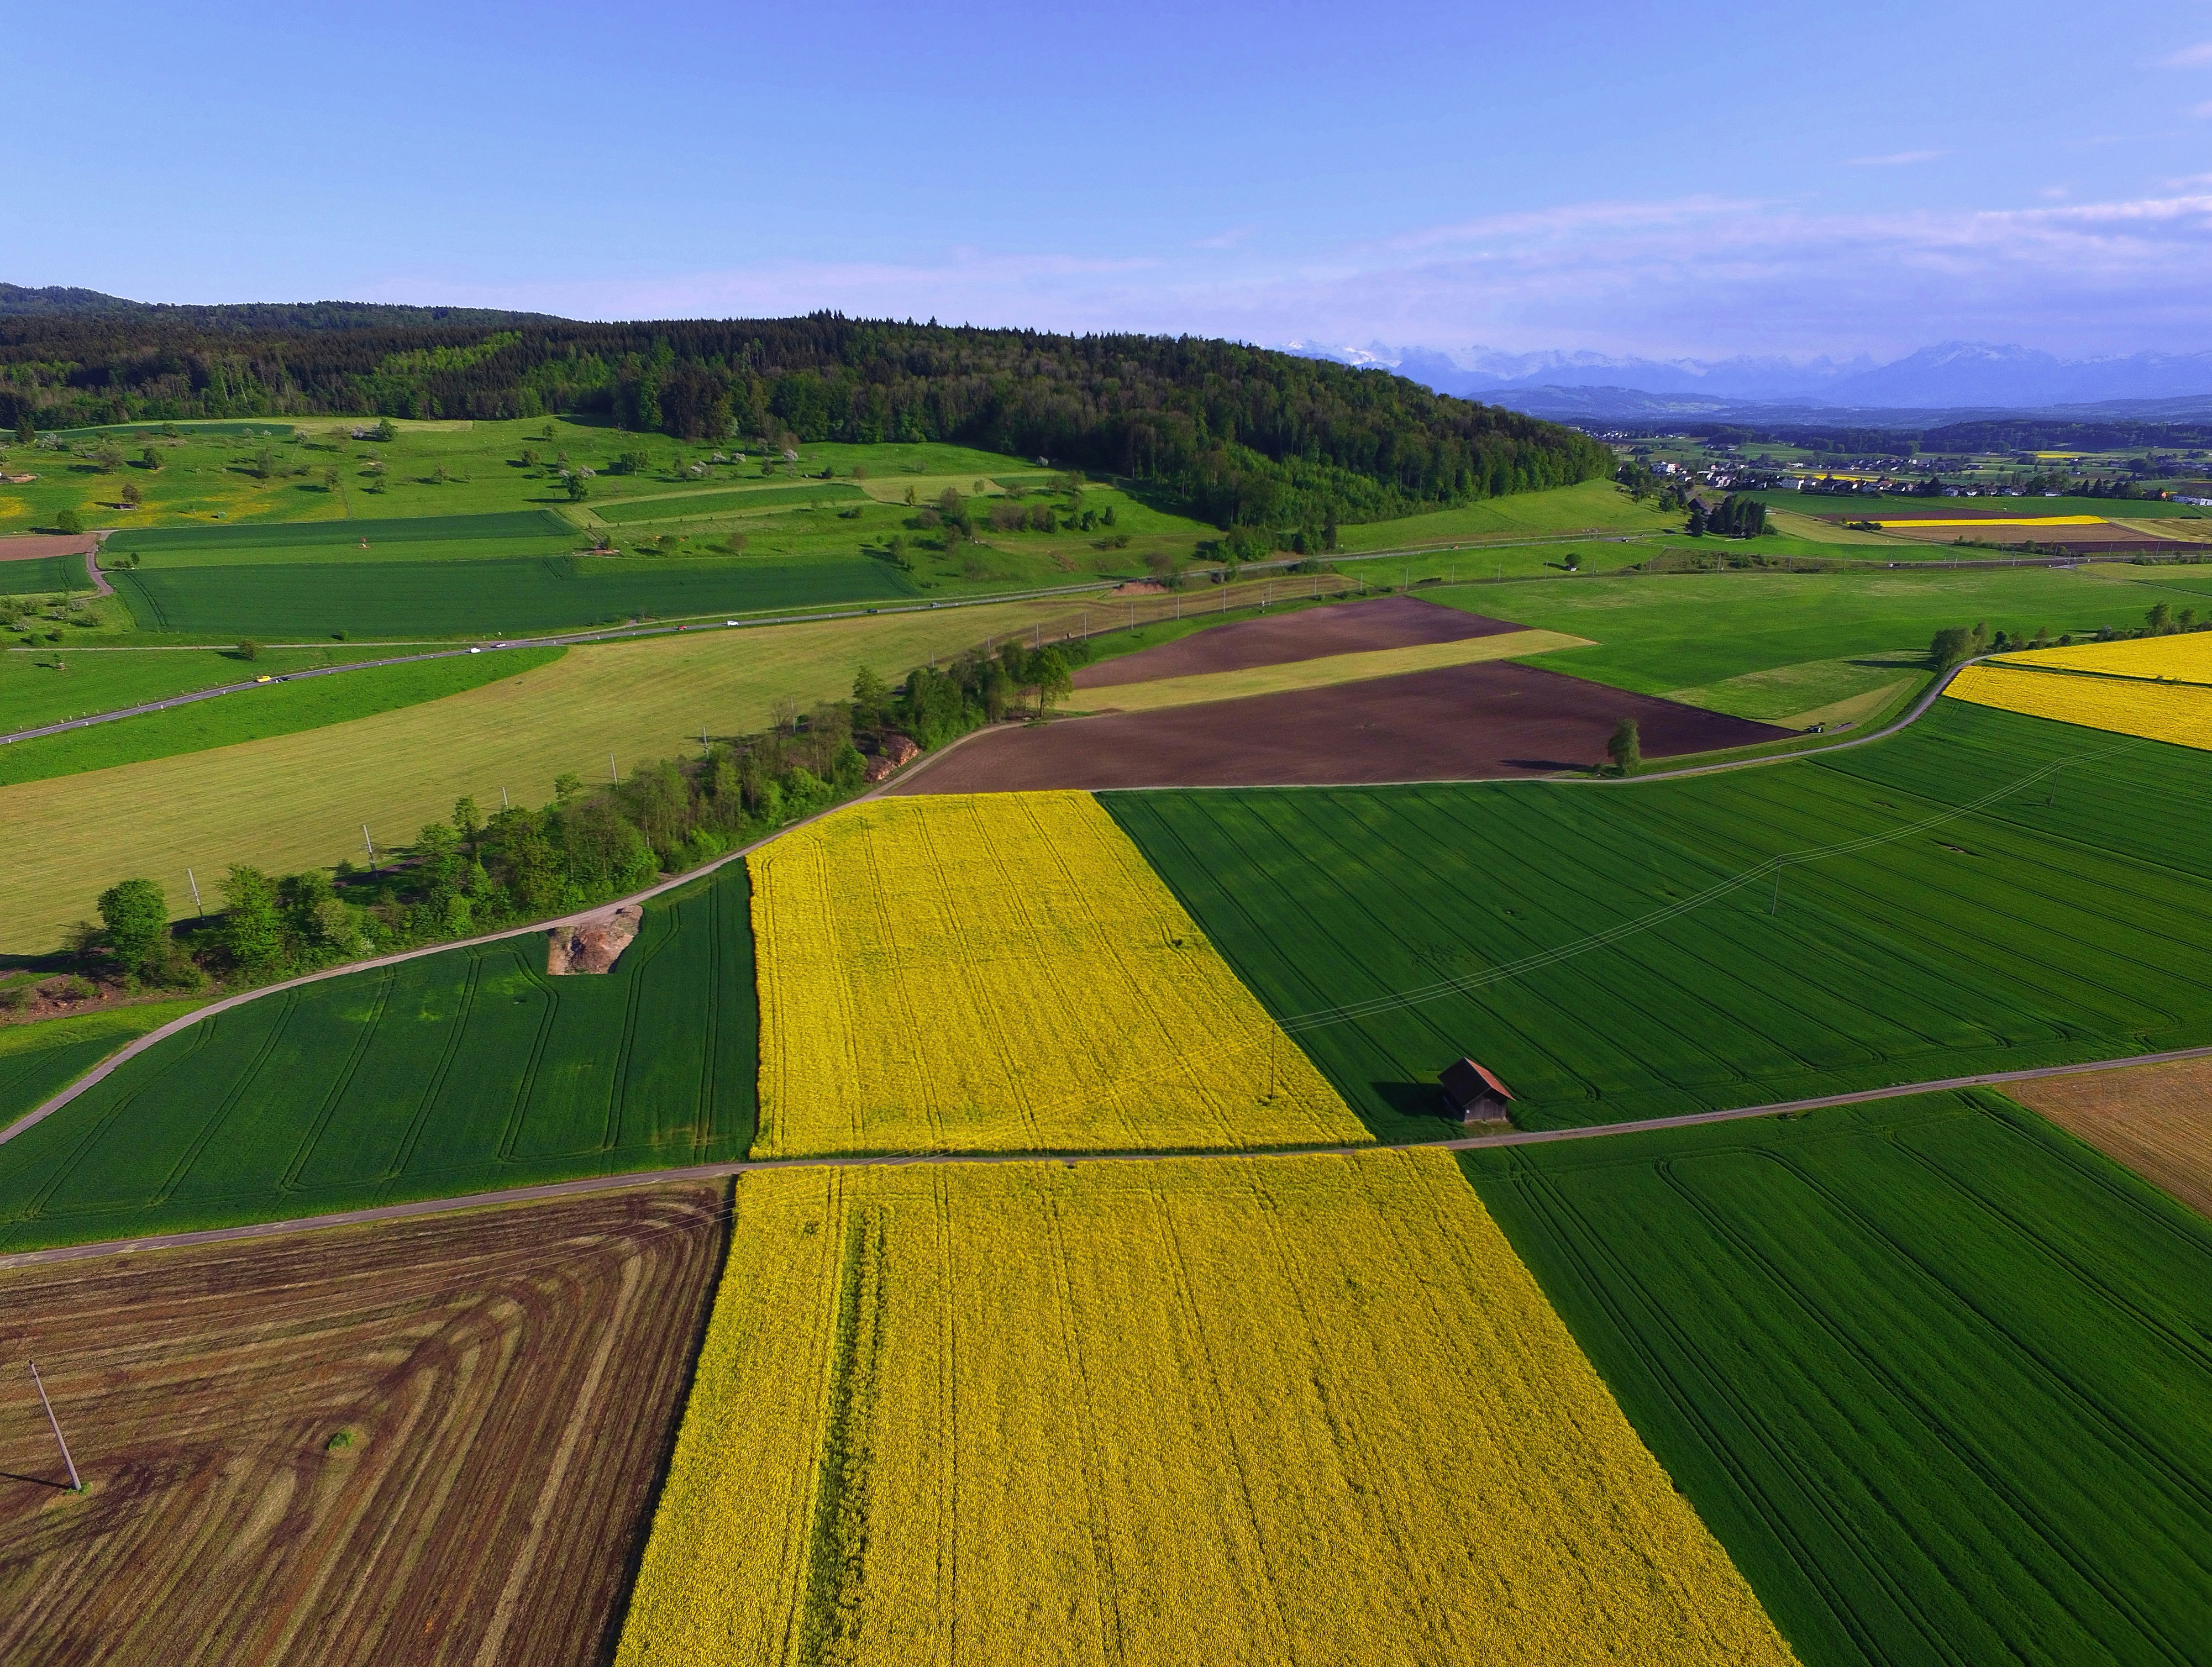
(475, 873)
(1243, 436)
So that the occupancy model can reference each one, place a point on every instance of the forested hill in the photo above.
(1243, 436)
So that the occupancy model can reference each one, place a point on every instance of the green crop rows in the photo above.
(516, 533)
(1939, 1377)
(38, 1060)
(37, 575)
(462, 1072)
(500, 598)
(2063, 922)
(676, 506)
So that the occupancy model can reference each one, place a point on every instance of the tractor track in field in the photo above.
(597, 1184)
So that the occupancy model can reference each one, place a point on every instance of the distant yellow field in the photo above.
(2176, 712)
(1248, 1411)
(2185, 657)
(1005, 972)
(1906, 522)
(1321, 674)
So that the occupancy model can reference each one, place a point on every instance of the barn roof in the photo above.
(1456, 1077)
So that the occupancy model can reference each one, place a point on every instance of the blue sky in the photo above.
(1701, 180)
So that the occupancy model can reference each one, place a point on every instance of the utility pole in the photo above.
(504, 803)
(1775, 902)
(613, 774)
(198, 905)
(76, 1485)
(371, 844)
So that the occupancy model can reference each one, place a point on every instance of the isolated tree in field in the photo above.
(247, 649)
(1949, 645)
(70, 520)
(25, 433)
(330, 480)
(578, 488)
(1626, 748)
(2159, 618)
(387, 430)
(1697, 523)
(150, 458)
(136, 916)
(130, 496)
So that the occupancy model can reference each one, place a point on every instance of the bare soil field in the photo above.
(2156, 1119)
(1342, 627)
(433, 1441)
(1463, 723)
(26, 547)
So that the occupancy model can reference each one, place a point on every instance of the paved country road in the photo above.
(712, 1172)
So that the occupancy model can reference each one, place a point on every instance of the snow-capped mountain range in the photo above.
(1948, 375)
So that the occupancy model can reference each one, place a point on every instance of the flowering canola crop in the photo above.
(2176, 712)
(2184, 657)
(1239, 1410)
(1005, 972)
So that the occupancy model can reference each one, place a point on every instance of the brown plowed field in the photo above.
(1341, 627)
(34, 545)
(509, 1381)
(1463, 723)
(2156, 1119)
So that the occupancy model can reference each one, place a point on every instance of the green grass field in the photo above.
(47, 685)
(42, 575)
(502, 598)
(40, 1059)
(252, 714)
(1567, 936)
(283, 544)
(1679, 634)
(684, 506)
(466, 1071)
(1937, 1375)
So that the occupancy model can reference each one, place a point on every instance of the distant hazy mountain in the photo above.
(56, 301)
(1950, 375)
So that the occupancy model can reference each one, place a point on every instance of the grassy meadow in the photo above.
(1935, 1374)
(51, 685)
(259, 714)
(1594, 945)
(650, 1066)
(39, 1059)
(298, 800)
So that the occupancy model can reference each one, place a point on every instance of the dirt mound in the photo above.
(1341, 627)
(1463, 723)
(594, 944)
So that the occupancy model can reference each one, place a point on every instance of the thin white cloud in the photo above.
(2202, 112)
(1895, 158)
(2198, 57)
(1235, 237)
(1702, 277)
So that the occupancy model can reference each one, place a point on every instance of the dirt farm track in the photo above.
(417, 1442)
(1463, 723)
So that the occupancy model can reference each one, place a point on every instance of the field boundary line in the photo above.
(139, 1045)
(656, 1177)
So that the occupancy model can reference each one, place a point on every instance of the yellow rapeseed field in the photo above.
(2184, 657)
(2176, 712)
(1005, 972)
(1241, 1410)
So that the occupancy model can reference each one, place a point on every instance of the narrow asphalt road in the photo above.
(746, 1166)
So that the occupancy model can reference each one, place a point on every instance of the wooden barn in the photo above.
(1475, 1097)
